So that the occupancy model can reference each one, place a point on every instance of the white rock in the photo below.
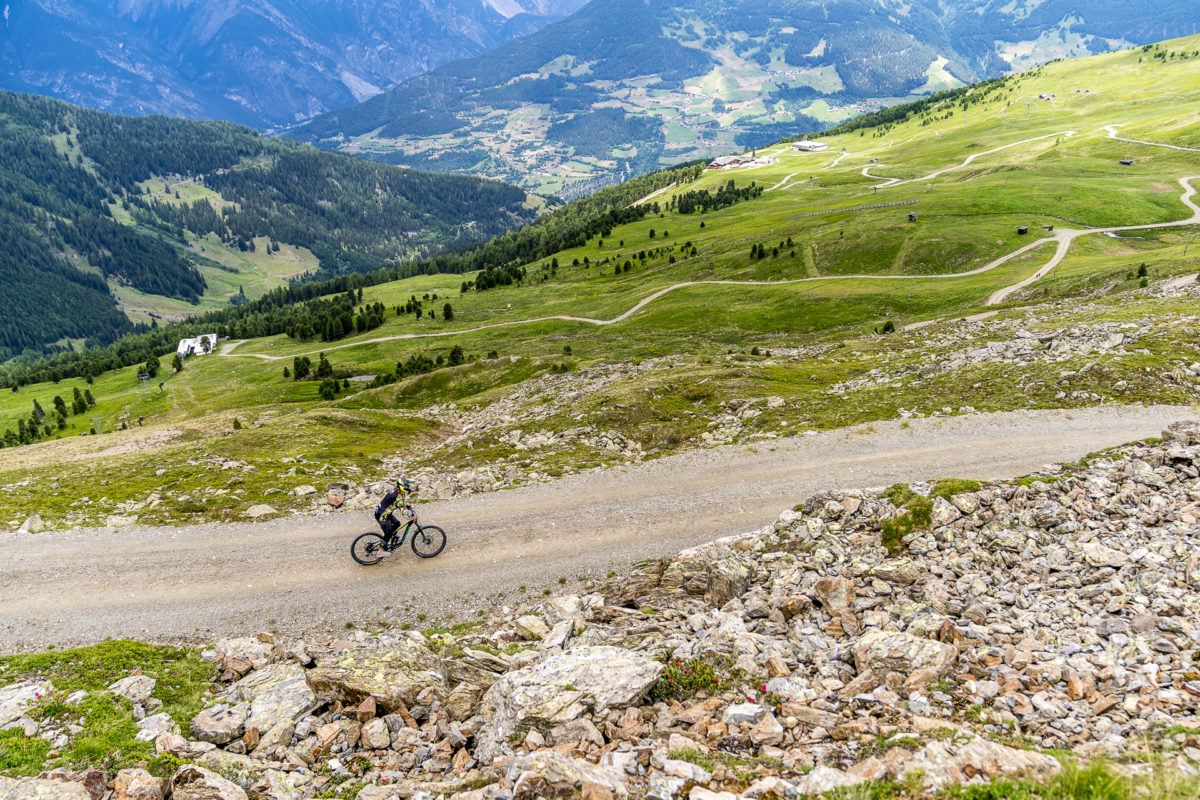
(33, 524)
(17, 697)
(137, 688)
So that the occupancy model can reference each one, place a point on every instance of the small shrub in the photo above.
(946, 489)
(766, 697)
(683, 678)
(917, 514)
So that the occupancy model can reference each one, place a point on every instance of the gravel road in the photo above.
(296, 575)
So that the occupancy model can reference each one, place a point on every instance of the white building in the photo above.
(809, 147)
(200, 346)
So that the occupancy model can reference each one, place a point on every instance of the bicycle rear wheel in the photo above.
(428, 541)
(367, 549)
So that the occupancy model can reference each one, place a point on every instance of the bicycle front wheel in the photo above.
(367, 549)
(428, 541)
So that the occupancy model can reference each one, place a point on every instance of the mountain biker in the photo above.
(396, 498)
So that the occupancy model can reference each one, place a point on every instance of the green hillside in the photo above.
(800, 299)
(106, 218)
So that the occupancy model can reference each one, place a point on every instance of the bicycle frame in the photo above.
(408, 526)
(404, 536)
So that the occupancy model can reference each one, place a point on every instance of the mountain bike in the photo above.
(427, 540)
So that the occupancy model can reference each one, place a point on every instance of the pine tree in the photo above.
(177, 363)
(324, 368)
(447, 312)
(87, 396)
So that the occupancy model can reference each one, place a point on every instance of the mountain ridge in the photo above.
(94, 204)
(264, 64)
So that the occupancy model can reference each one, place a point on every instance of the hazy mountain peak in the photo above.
(261, 62)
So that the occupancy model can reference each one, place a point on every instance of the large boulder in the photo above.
(250, 650)
(560, 689)
(729, 575)
(15, 698)
(276, 696)
(375, 735)
(220, 724)
(137, 784)
(154, 727)
(175, 745)
(192, 782)
(940, 764)
(276, 785)
(33, 524)
(825, 779)
(137, 688)
(35, 789)
(922, 661)
(548, 774)
(393, 671)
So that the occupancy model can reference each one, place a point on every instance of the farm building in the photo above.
(809, 147)
(201, 345)
(726, 162)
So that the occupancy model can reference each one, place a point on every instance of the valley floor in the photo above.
(205, 581)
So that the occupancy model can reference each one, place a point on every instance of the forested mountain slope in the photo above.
(93, 204)
(251, 61)
(625, 86)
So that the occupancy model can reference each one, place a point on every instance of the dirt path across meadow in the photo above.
(165, 584)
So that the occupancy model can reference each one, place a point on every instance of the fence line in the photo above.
(854, 208)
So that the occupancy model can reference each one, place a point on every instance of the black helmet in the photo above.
(405, 486)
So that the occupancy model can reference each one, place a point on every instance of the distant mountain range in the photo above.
(94, 205)
(264, 63)
(625, 86)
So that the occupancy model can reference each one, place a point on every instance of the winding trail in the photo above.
(966, 162)
(785, 180)
(932, 132)
(1112, 134)
(162, 584)
(1066, 237)
(1063, 238)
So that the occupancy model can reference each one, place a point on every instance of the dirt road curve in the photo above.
(296, 574)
